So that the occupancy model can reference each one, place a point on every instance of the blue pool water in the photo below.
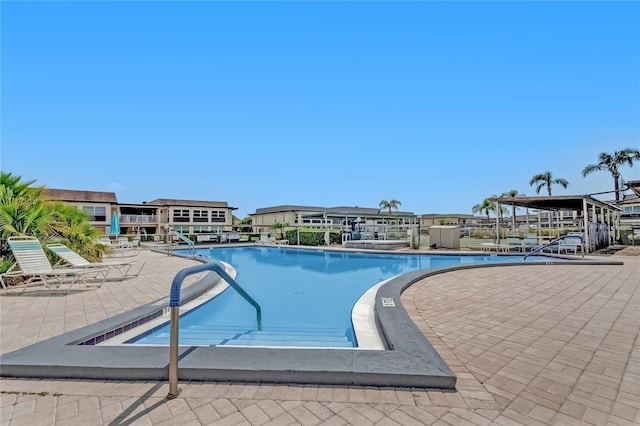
(306, 295)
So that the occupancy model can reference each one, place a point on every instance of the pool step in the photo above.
(220, 335)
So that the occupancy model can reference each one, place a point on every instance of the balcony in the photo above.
(128, 219)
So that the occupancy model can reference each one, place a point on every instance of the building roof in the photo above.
(555, 202)
(85, 196)
(341, 210)
(189, 203)
(634, 185)
(456, 215)
(287, 208)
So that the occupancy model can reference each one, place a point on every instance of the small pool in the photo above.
(307, 296)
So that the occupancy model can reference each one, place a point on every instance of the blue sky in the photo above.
(435, 104)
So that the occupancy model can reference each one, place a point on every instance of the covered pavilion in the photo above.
(598, 220)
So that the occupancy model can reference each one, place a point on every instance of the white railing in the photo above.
(132, 218)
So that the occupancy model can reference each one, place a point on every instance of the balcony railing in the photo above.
(132, 218)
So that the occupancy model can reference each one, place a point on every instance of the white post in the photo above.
(585, 215)
(497, 223)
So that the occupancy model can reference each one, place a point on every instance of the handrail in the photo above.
(174, 304)
(192, 245)
(554, 241)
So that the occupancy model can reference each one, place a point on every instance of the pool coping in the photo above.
(411, 360)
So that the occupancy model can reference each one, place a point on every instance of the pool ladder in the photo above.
(174, 305)
(191, 244)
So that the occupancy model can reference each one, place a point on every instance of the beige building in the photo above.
(155, 217)
(462, 220)
(343, 218)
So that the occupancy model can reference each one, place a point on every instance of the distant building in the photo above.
(154, 217)
(334, 217)
(460, 219)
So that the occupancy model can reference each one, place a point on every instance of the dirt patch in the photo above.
(628, 251)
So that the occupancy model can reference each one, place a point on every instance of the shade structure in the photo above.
(114, 229)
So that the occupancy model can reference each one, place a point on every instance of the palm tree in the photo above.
(281, 226)
(546, 179)
(488, 206)
(389, 205)
(612, 163)
(73, 229)
(22, 208)
(511, 194)
(24, 211)
(485, 207)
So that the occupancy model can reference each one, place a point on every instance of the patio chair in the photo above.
(118, 249)
(530, 242)
(570, 244)
(126, 268)
(514, 242)
(34, 265)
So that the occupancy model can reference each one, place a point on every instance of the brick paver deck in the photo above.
(530, 345)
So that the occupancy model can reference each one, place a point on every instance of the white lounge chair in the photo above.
(570, 244)
(126, 268)
(530, 242)
(514, 242)
(118, 249)
(34, 265)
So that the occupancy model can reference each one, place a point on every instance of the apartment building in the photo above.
(332, 217)
(156, 217)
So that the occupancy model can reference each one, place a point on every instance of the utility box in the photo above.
(444, 236)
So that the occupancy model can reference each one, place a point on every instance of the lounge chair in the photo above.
(34, 265)
(530, 242)
(121, 249)
(570, 244)
(126, 268)
(514, 242)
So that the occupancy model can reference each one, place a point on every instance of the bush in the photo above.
(313, 237)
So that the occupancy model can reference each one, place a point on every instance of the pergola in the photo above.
(634, 185)
(593, 211)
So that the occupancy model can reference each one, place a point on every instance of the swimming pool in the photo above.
(307, 295)
(409, 360)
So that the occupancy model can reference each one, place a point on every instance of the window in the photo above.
(200, 216)
(218, 216)
(96, 213)
(181, 215)
(200, 229)
(184, 230)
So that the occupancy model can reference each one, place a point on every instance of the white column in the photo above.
(585, 215)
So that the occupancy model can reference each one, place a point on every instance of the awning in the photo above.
(555, 202)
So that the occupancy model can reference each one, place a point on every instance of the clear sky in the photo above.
(435, 104)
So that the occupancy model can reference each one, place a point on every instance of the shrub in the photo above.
(312, 236)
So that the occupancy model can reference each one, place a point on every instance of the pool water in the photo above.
(306, 296)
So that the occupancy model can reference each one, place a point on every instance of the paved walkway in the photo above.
(530, 345)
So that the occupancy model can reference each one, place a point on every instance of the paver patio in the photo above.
(530, 345)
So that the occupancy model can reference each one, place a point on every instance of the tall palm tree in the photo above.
(546, 180)
(487, 206)
(389, 205)
(612, 163)
(511, 194)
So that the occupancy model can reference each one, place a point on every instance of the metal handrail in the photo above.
(174, 304)
(554, 241)
(192, 245)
